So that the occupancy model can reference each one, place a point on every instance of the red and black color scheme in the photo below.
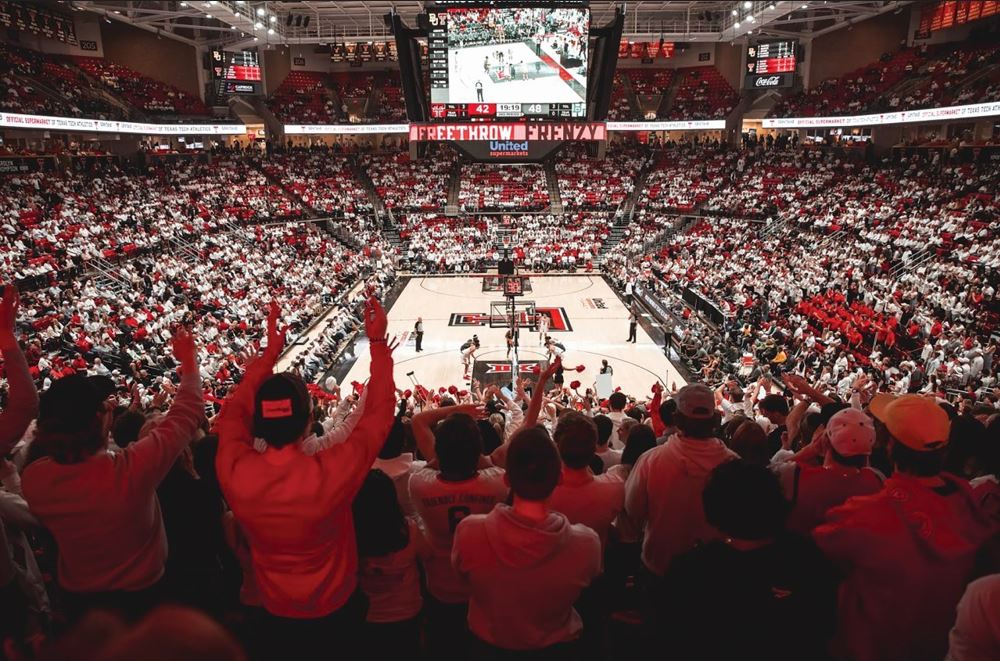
(558, 319)
(498, 372)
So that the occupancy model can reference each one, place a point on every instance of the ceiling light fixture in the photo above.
(258, 25)
(735, 13)
(270, 30)
(273, 18)
(736, 25)
(256, 38)
(747, 4)
(260, 11)
(751, 19)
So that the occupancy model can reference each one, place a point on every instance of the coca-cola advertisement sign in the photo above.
(768, 81)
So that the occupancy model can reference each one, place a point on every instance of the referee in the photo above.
(418, 332)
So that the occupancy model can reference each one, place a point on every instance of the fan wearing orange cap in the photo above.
(846, 446)
(907, 551)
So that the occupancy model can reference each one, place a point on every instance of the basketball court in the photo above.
(587, 317)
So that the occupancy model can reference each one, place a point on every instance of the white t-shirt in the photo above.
(441, 505)
(595, 504)
(392, 582)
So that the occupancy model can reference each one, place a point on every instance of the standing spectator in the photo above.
(388, 548)
(442, 497)
(664, 488)
(758, 575)
(775, 409)
(594, 501)
(101, 507)
(976, 634)
(526, 565)
(906, 552)
(295, 508)
(605, 428)
(813, 490)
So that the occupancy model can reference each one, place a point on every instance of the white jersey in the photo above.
(441, 506)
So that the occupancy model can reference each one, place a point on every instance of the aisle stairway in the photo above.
(555, 199)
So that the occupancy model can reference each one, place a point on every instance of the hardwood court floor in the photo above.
(453, 308)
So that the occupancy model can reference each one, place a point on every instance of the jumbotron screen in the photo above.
(508, 62)
(771, 64)
(236, 72)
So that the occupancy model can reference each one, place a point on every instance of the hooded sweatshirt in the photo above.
(664, 491)
(524, 576)
(907, 553)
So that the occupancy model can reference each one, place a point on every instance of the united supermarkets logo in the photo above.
(508, 148)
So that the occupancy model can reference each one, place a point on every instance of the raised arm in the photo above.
(234, 424)
(424, 422)
(22, 398)
(341, 431)
(150, 458)
(799, 386)
(535, 406)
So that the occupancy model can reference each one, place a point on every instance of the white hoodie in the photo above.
(524, 576)
(664, 491)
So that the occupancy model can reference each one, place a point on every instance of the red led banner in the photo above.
(507, 131)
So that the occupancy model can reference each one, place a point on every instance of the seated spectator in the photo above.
(767, 575)
(526, 565)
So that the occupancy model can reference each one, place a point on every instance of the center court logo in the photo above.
(558, 319)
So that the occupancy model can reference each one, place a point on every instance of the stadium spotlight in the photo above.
(736, 25)
(208, 16)
(184, 4)
(273, 18)
(747, 4)
(270, 30)
(258, 25)
(735, 13)
(771, 6)
(751, 19)
(260, 11)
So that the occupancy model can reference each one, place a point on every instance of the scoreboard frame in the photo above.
(232, 79)
(781, 75)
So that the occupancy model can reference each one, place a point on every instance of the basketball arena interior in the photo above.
(312, 321)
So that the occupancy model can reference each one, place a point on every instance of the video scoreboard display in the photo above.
(508, 61)
(236, 72)
(506, 110)
(771, 64)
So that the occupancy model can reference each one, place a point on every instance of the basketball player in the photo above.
(468, 355)
(543, 327)
(510, 341)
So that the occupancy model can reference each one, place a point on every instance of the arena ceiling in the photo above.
(237, 24)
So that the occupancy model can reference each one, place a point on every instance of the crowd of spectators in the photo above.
(579, 189)
(702, 93)
(146, 94)
(406, 185)
(538, 242)
(499, 187)
(909, 78)
(586, 528)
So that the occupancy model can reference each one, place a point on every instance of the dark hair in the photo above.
(774, 404)
(667, 411)
(596, 465)
(604, 428)
(636, 413)
(379, 525)
(533, 465)
(576, 438)
(69, 425)
(920, 464)
(991, 457)
(125, 429)
(640, 438)
(697, 427)
(458, 445)
(827, 411)
(393, 446)
(856, 461)
(966, 449)
(288, 389)
(745, 501)
(491, 439)
(750, 442)
(617, 401)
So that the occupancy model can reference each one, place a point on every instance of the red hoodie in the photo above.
(295, 508)
(907, 553)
